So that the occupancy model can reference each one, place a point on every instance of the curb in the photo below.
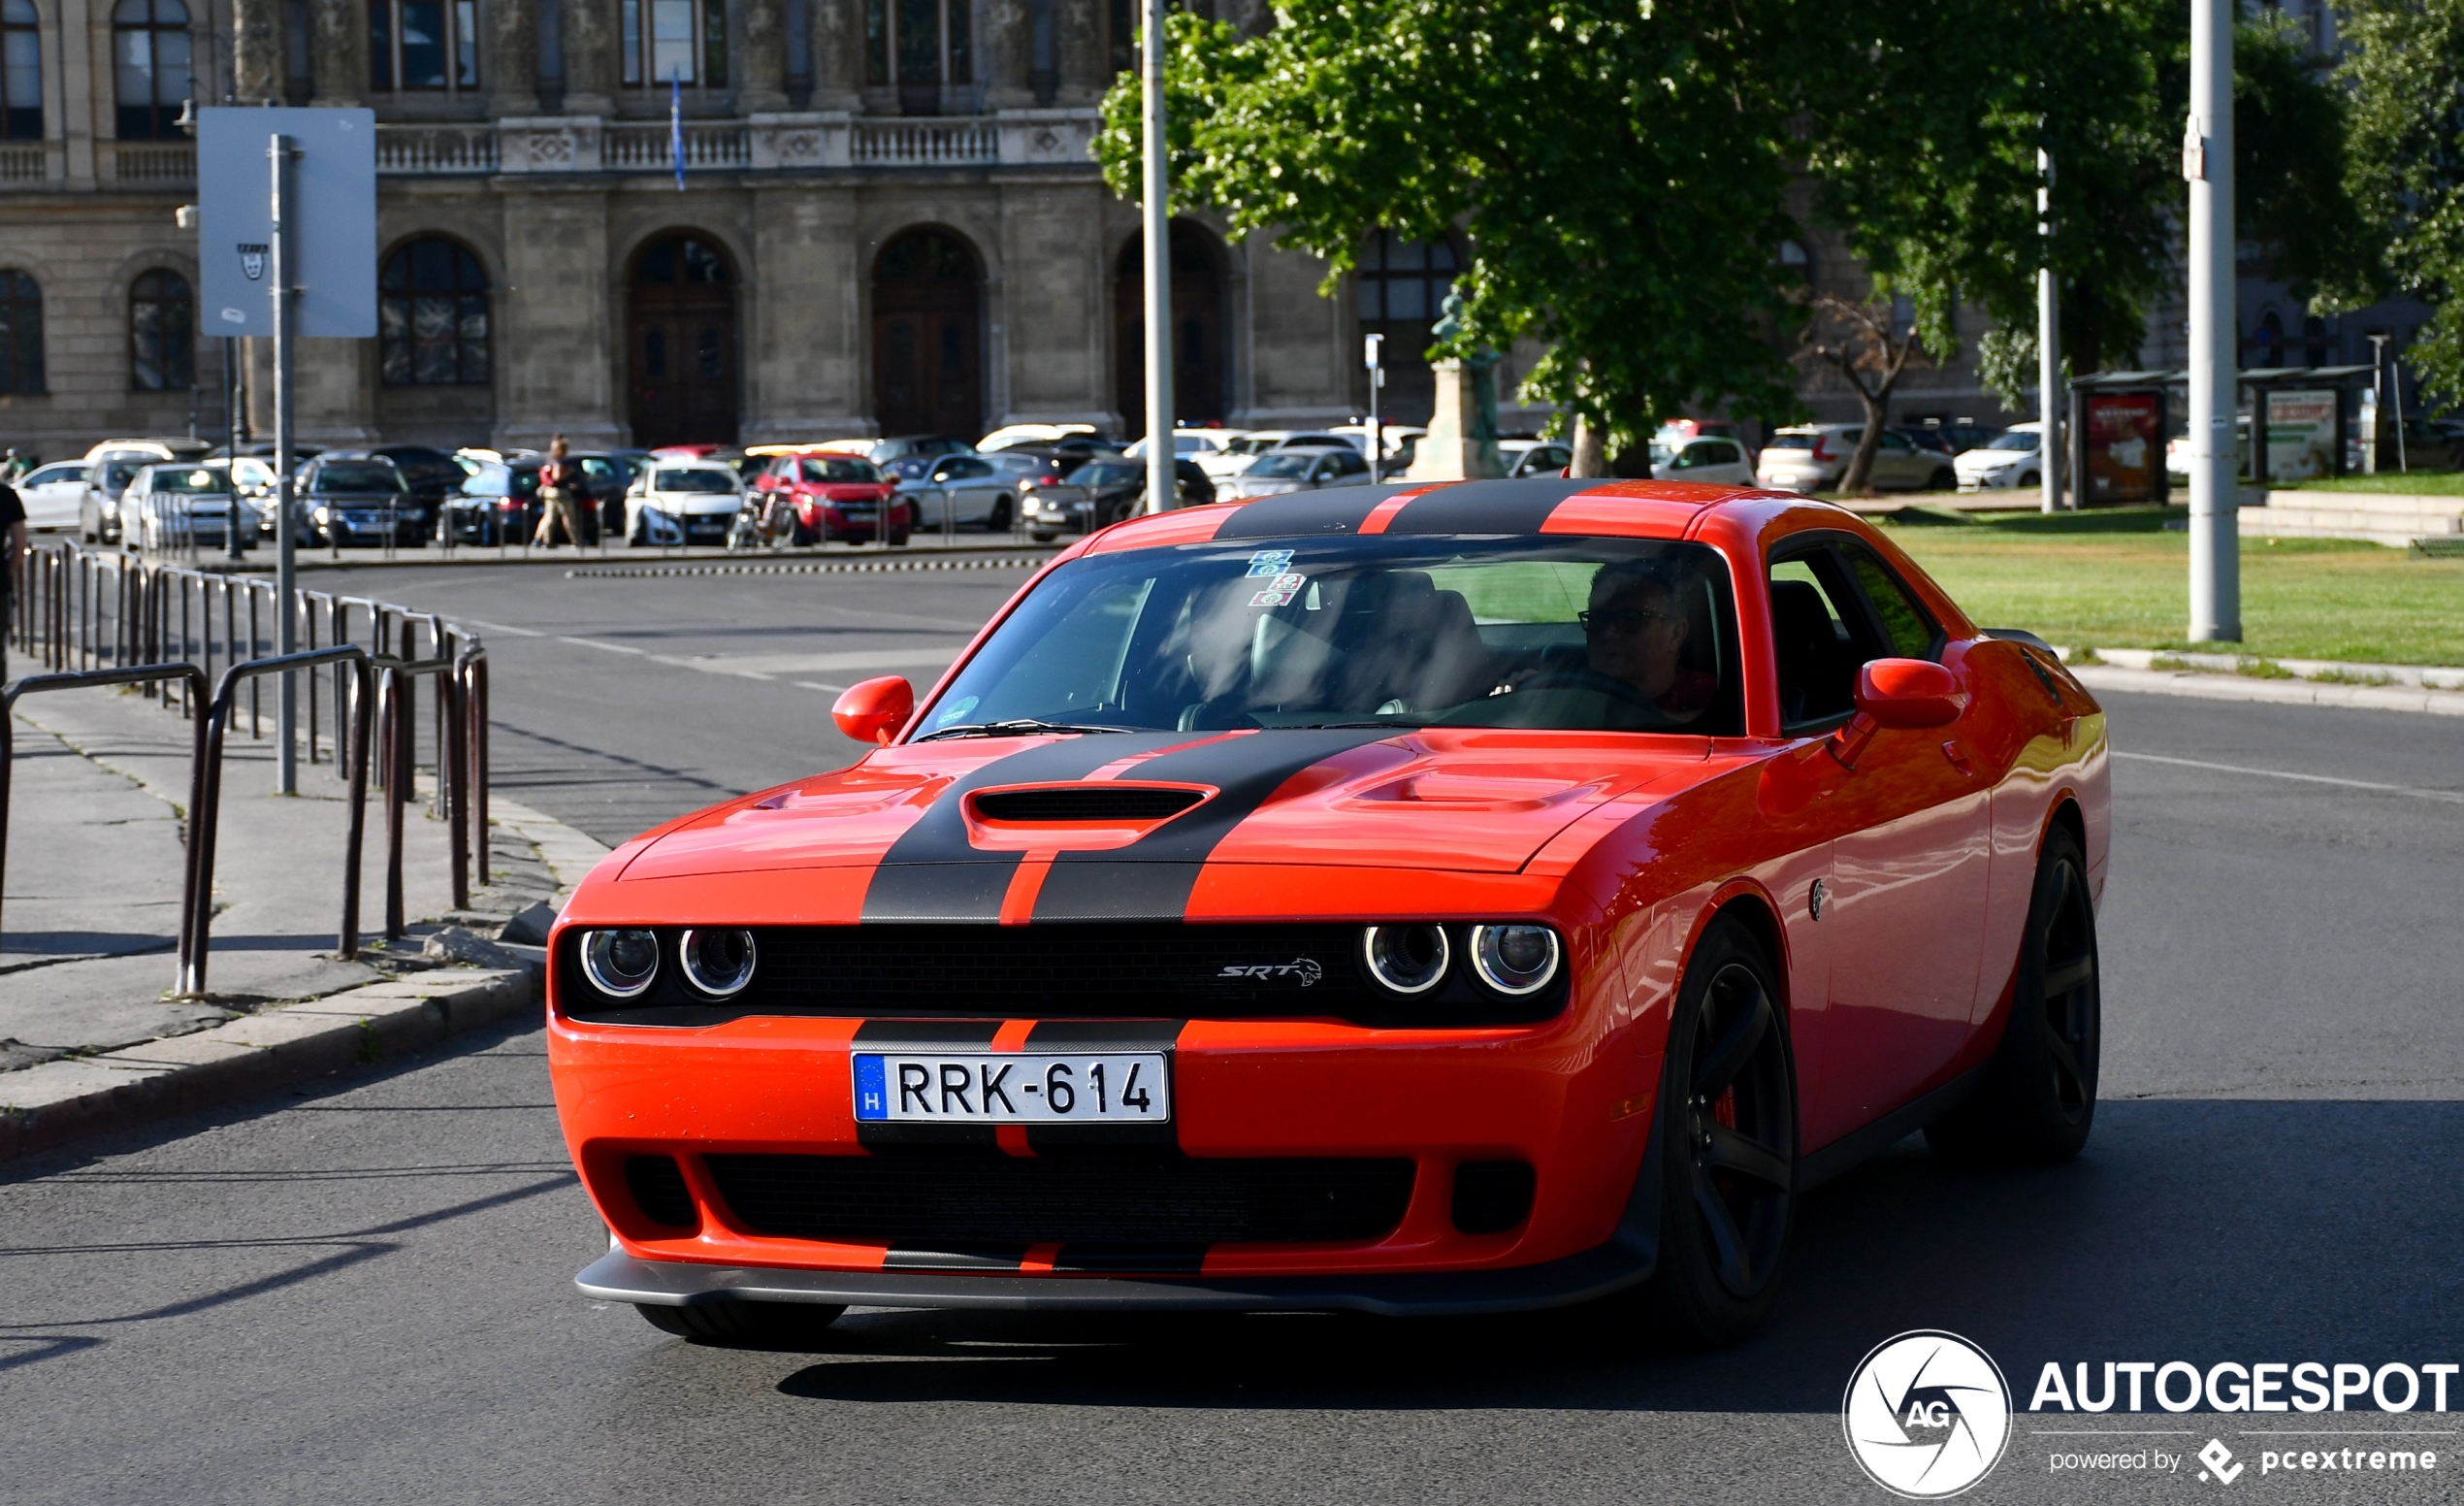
(2195, 685)
(59, 1101)
(806, 567)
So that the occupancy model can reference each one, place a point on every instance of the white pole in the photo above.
(1163, 489)
(2207, 161)
(2049, 403)
(286, 580)
(1370, 356)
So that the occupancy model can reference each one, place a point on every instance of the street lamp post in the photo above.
(1163, 490)
(1371, 358)
(2049, 403)
(2207, 162)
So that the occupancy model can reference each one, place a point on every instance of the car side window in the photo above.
(1349, 461)
(1719, 452)
(969, 470)
(1891, 440)
(1905, 625)
(1821, 636)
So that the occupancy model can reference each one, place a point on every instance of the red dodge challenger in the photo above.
(1490, 896)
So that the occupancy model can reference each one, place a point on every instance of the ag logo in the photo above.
(1927, 1414)
(252, 261)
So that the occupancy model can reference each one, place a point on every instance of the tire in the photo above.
(898, 540)
(1943, 481)
(638, 537)
(2038, 1099)
(2032, 478)
(997, 521)
(1727, 1139)
(1042, 535)
(744, 1324)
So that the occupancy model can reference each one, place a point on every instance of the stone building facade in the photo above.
(888, 222)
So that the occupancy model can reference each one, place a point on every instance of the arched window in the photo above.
(1793, 264)
(20, 333)
(432, 316)
(424, 45)
(151, 53)
(20, 71)
(920, 46)
(685, 41)
(162, 333)
(1403, 286)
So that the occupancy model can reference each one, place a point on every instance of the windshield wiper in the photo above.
(1016, 726)
(1332, 726)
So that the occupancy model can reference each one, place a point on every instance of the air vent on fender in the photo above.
(1118, 802)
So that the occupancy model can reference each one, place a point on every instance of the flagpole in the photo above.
(676, 122)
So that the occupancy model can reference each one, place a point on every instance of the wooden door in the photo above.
(1199, 359)
(927, 337)
(681, 345)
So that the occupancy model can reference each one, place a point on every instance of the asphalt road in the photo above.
(361, 1294)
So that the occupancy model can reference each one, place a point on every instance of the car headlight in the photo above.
(718, 962)
(1406, 960)
(619, 963)
(1515, 960)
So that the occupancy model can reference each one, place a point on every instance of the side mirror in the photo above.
(1910, 694)
(871, 710)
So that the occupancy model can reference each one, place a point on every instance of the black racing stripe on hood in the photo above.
(1488, 507)
(1151, 879)
(931, 873)
(1333, 509)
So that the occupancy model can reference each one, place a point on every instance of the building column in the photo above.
(762, 82)
(803, 380)
(1054, 334)
(339, 29)
(334, 392)
(559, 336)
(256, 51)
(509, 58)
(1005, 50)
(1082, 43)
(592, 65)
(838, 53)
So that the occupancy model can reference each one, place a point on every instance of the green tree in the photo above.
(2405, 68)
(1617, 167)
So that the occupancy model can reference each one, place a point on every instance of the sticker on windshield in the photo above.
(1281, 591)
(1270, 562)
(958, 708)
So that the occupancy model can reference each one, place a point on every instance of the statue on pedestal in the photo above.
(1461, 439)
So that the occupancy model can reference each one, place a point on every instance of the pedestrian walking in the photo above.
(559, 496)
(13, 542)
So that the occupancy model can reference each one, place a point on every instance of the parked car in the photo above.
(957, 491)
(906, 445)
(1716, 458)
(1011, 435)
(110, 465)
(1296, 469)
(499, 504)
(180, 503)
(837, 497)
(2176, 451)
(1102, 492)
(1396, 444)
(682, 502)
(1241, 453)
(1926, 437)
(1190, 444)
(1813, 457)
(2009, 459)
(1531, 457)
(53, 494)
(1966, 436)
(357, 500)
(431, 473)
(1419, 961)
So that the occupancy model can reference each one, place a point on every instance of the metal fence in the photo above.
(88, 609)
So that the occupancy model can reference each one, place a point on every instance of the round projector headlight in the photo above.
(1515, 960)
(719, 963)
(1406, 958)
(619, 963)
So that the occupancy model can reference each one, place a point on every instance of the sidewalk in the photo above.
(91, 918)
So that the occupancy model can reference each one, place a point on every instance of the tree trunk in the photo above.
(1858, 479)
(1591, 450)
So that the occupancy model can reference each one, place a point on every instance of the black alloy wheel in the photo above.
(1944, 480)
(741, 1325)
(2037, 1101)
(1726, 1134)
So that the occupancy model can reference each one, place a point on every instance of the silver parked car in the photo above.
(960, 491)
(178, 506)
(1296, 471)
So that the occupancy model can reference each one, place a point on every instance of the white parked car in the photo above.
(682, 502)
(108, 468)
(52, 493)
(1033, 433)
(958, 491)
(1534, 457)
(1713, 458)
(1242, 452)
(171, 505)
(1813, 457)
(2009, 459)
(1192, 443)
(1398, 441)
(1296, 471)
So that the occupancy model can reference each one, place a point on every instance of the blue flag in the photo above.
(676, 122)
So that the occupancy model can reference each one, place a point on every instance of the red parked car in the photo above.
(1488, 895)
(837, 497)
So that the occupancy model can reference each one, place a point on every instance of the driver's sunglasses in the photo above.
(1621, 621)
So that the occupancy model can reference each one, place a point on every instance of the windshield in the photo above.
(200, 478)
(116, 473)
(1791, 442)
(1253, 446)
(2014, 442)
(1106, 473)
(696, 478)
(1284, 463)
(361, 477)
(1602, 634)
(841, 469)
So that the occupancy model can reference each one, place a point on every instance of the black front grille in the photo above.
(657, 1186)
(1492, 1197)
(943, 1201)
(1086, 803)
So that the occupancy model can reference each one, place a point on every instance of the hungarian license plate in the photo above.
(1013, 1088)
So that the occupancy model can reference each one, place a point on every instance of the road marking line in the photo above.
(612, 648)
(2450, 797)
(500, 627)
(826, 690)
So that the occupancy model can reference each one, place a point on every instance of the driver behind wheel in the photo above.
(1635, 634)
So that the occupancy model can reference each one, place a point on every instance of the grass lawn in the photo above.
(2415, 483)
(2114, 577)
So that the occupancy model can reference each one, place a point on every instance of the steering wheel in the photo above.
(1579, 678)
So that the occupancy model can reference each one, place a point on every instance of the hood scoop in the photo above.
(1109, 803)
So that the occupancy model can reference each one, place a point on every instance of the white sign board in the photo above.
(332, 209)
(2301, 434)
